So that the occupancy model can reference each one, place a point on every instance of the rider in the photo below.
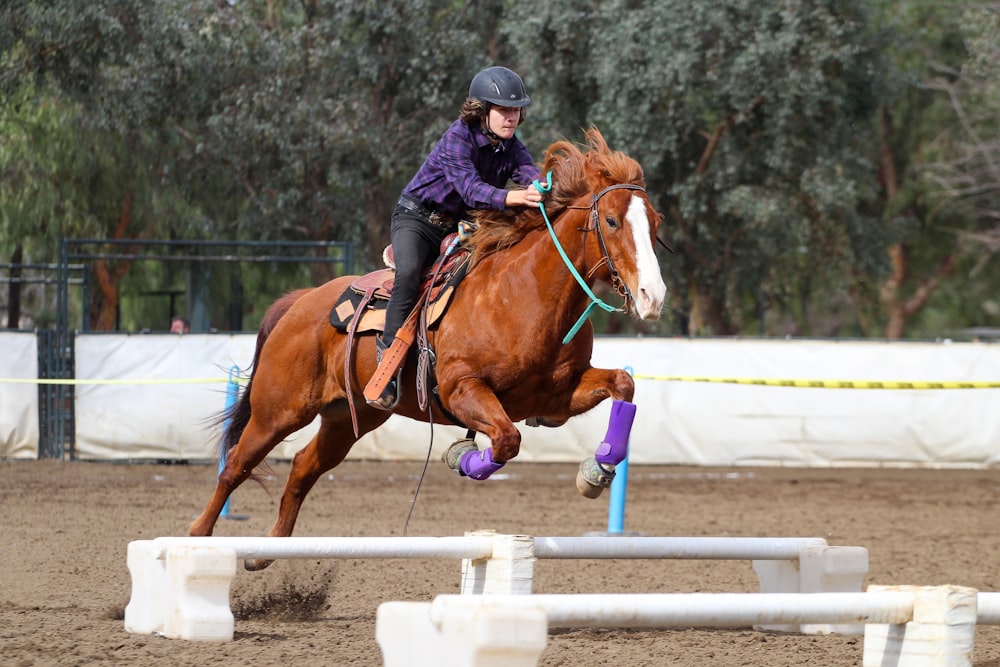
(468, 168)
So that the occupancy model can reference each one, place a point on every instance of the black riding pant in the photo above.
(416, 243)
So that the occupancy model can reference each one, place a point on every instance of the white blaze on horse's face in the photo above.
(650, 290)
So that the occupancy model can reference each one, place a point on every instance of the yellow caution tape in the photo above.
(825, 384)
(767, 382)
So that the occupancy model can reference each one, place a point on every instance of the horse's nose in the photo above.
(649, 301)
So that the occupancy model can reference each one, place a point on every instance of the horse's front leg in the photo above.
(480, 410)
(597, 472)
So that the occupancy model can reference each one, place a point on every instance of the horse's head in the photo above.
(602, 193)
(610, 186)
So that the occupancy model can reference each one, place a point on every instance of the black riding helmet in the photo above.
(500, 86)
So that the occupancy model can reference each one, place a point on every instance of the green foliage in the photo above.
(33, 138)
(284, 128)
(759, 126)
(936, 52)
(751, 121)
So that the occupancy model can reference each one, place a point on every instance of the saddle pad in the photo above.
(373, 318)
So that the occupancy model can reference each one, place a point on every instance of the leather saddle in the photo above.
(370, 293)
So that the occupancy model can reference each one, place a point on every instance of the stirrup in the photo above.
(391, 359)
(389, 398)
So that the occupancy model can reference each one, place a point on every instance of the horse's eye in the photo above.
(611, 221)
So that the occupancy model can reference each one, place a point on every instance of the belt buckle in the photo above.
(442, 221)
(410, 204)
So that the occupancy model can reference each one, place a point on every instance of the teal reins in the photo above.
(594, 299)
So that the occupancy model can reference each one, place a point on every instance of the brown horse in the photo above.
(501, 350)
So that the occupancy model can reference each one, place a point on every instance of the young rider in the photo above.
(468, 168)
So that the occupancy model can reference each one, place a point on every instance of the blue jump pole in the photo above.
(619, 486)
(232, 392)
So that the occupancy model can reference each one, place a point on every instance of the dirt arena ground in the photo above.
(64, 529)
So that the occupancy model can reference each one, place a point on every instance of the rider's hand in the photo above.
(527, 197)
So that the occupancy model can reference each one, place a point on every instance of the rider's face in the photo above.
(503, 121)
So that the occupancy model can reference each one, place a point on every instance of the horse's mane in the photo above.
(575, 173)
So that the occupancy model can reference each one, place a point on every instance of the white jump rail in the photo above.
(180, 585)
(905, 626)
(335, 547)
(481, 545)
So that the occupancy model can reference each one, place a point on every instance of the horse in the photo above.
(515, 342)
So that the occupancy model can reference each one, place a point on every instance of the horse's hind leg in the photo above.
(254, 444)
(326, 450)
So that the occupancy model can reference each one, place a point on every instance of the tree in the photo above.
(964, 163)
(921, 257)
(936, 278)
(301, 122)
(824, 166)
(64, 179)
(249, 120)
(751, 121)
(72, 175)
(26, 190)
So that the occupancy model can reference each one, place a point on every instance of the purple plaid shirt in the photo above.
(464, 171)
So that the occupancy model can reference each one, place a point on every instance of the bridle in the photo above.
(616, 282)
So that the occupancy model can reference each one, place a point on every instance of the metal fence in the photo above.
(74, 268)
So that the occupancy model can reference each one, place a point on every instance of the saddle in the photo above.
(361, 308)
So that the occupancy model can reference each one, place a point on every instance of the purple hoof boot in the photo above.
(614, 449)
(479, 465)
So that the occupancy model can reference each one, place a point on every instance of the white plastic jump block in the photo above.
(819, 569)
(510, 570)
(941, 633)
(184, 595)
(487, 637)
(908, 626)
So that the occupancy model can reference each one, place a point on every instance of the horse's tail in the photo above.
(238, 415)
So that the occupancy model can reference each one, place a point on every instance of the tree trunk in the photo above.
(899, 309)
(889, 291)
(104, 302)
(707, 316)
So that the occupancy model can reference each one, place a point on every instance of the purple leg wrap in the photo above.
(479, 465)
(614, 449)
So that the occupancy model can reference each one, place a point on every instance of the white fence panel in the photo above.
(18, 400)
(731, 424)
(155, 394)
(151, 396)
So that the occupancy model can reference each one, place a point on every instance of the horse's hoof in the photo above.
(453, 457)
(255, 565)
(586, 489)
(592, 478)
